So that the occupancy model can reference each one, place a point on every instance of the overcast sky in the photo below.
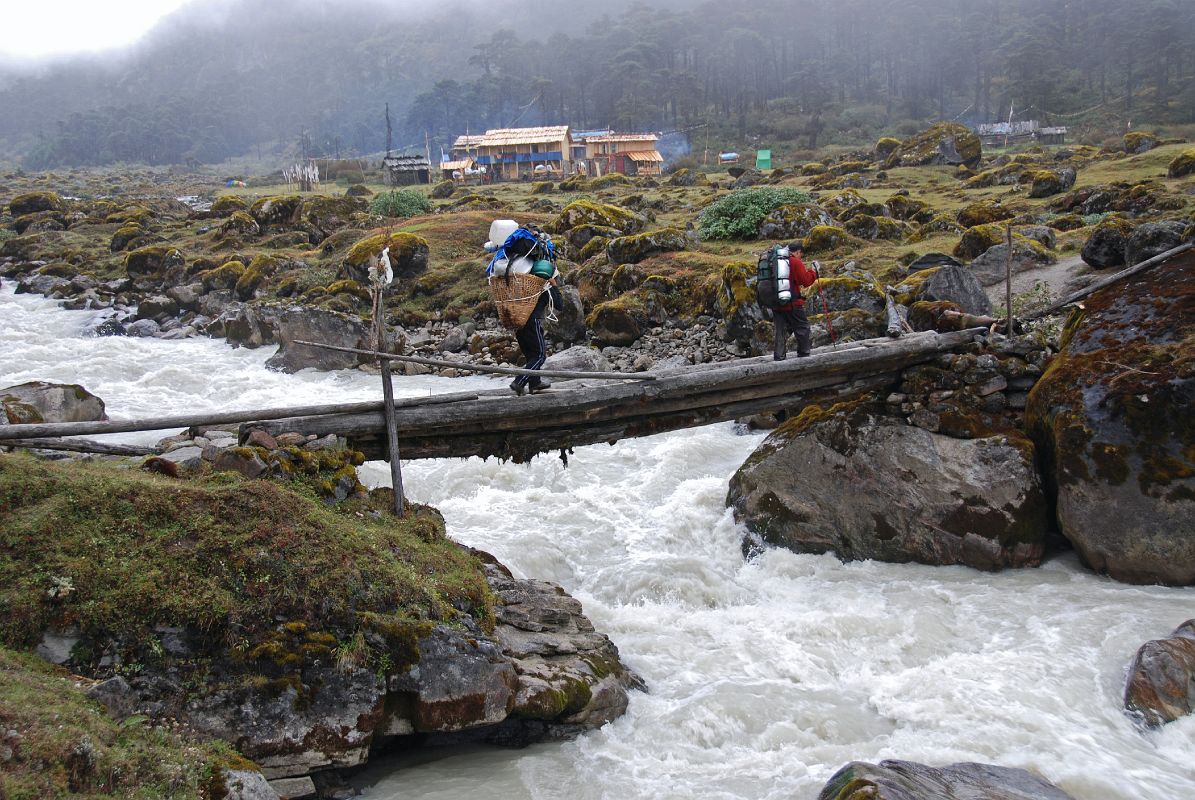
(40, 28)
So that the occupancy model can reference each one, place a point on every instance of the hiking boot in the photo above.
(517, 387)
(538, 385)
(806, 354)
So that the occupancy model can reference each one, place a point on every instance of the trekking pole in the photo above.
(825, 306)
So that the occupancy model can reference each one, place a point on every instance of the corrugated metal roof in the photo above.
(623, 137)
(499, 137)
(646, 155)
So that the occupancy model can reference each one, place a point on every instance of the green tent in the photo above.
(763, 159)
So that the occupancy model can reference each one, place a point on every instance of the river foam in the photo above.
(766, 675)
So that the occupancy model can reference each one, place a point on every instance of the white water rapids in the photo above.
(766, 676)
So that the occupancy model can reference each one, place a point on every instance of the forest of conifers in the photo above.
(260, 77)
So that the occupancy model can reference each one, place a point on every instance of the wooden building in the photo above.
(465, 147)
(407, 170)
(525, 153)
(1002, 134)
(628, 153)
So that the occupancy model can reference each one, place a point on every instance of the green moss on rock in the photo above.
(1182, 165)
(225, 276)
(226, 204)
(32, 202)
(587, 212)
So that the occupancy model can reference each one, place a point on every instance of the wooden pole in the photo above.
(392, 452)
(1008, 277)
(8, 432)
(392, 439)
(82, 446)
(433, 362)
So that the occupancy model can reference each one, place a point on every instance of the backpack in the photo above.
(527, 242)
(773, 288)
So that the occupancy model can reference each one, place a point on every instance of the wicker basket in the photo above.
(516, 298)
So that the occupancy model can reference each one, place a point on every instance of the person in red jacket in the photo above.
(791, 317)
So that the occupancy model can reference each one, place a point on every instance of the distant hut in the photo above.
(407, 170)
(524, 153)
(457, 170)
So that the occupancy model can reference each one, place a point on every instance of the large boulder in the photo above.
(326, 215)
(1182, 165)
(793, 221)
(991, 267)
(1049, 182)
(737, 304)
(578, 358)
(948, 282)
(32, 202)
(1152, 238)
(408, 256)
(1105, 246)
(636, 247)
(866, 486)
(587, 212)
(1161, 685)
(277, 210)
(41, 401)
(317, 325)
(569, 323)
(843, 294)
(1112, 415)
(943, 143)
(618, 322)
(906, 780)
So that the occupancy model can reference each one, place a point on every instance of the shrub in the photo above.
(737, 216)
(400, 203)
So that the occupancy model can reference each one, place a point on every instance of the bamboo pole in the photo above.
(433, 362)
(392, 440)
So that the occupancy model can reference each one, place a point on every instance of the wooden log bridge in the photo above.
(576, 413)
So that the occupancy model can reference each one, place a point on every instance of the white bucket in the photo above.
(501, 229)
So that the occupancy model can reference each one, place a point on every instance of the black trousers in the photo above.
(793, 320)
(531, 341)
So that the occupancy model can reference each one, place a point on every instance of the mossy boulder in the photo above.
(250, 280)
(325, 215)
(943, 143)
(812, 168)
(982, 214)
(619, 322)
(942, 223)
(871, 228)
(886, 146)
(825, 239)
(903, 207)
(32, 202)
(843, 294)
(1067, 222)
(636, 247)
(277, 210)
(358, 190)
(686, 177)
(1106, 244)
(1182, 165)
(848, 167)
(947, 283)
(1152, 238)
(542, 187)
(1049, 182)
(587, 212)
(225, 276)
(574, 183)
(152, 262)
(841, 204)
(978, 240)
(578, 237)
(595, 245)
(1113, 416)
(991, 266)
(736, 302)
(240, 223)
(442, 190)
(131, 215)
(609, 180)
(125, 236)
(226, 204)
(793, 221)
(408, 256)
(1138, 142)
(979, 500)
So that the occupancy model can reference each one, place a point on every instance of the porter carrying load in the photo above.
(520, 272)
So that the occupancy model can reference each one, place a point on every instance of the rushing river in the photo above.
(766, 676)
